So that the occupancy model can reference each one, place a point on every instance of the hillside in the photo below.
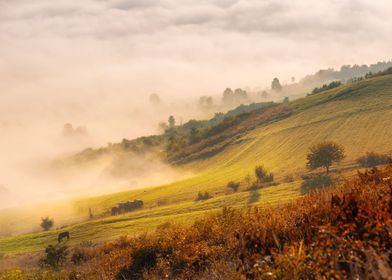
(336, 233)
(357, 115)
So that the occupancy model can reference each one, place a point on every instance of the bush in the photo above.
(55, 255)
(203, 196)
(373, 159)
(341, 233)
(325, 87)
(46, 223)
(255, 186)
(262, 174)
(233, 186)
(319, 181)
(80, 255)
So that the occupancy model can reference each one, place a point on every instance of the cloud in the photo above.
(77, 48)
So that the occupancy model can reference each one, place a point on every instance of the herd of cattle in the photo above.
(124, 207)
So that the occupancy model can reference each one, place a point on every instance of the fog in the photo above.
(33, 138)
(94, 63)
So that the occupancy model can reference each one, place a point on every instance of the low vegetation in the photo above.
(234, 186)
(46, 223)
(325, 87)
(337, 233)
(55, 256)
(373, 159)
(203, 196)
(262, 175)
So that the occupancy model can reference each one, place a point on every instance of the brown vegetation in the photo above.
(339, 233)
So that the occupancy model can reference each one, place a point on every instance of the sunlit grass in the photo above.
(357, 116)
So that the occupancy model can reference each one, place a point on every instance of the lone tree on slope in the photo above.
(172, 122)
(324, 155)
(275, 85)
(46, 223)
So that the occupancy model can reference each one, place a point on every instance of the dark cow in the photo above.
(115, 211)
(62, 235)
(138, 203)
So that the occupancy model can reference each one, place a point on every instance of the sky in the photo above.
(95, 62)
(128, 48)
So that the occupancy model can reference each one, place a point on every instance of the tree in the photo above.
(194, 135)
(228, 96)
(239, 94)
(68, 129)
(324, 155)
(275, 85)
(154, 99)
(172, 122)
(205, 102)
(46, 223)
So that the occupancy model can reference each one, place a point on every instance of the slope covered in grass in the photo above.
(338, 233)
(357, 116)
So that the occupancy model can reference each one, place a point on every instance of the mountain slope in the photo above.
(357, 115)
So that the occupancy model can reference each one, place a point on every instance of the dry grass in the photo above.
(339, 233)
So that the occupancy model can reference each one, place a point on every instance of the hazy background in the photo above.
(94, 64)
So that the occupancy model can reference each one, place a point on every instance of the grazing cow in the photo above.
(138, 203)
(62, 235)
(115, 211)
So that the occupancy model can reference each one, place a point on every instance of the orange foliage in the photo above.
(339, 233)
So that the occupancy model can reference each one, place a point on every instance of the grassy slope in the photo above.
(357, 115)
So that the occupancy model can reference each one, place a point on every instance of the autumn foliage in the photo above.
(339, 233)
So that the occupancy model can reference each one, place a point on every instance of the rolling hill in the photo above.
(357, 115)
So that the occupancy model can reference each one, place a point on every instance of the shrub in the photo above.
(341, 233)
(269, 178)
(80, 255)
(373, 159)
(254, 187)
(329, 235)
(55, 255)
(319, 181)
(262, 174)
(325, 87)
(203, 196)
(233, 186)
(46, 223)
